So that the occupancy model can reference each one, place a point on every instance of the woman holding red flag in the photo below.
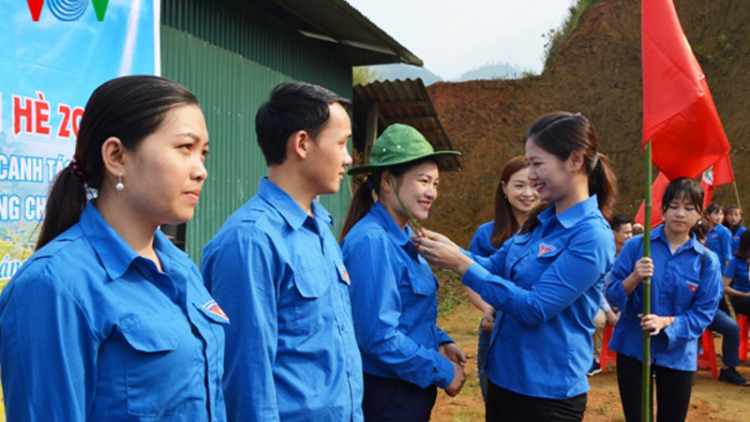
(686, 288)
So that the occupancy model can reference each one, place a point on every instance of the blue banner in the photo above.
(48, 69)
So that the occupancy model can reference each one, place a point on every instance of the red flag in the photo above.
(657, 191)
(679, 115)
(718, 174)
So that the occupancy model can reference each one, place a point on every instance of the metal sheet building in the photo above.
(231, 53)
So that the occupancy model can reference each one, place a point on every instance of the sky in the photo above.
(455, 36)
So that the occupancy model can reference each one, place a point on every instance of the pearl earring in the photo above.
(119, 186)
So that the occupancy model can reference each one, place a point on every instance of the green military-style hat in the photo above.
(399, 144)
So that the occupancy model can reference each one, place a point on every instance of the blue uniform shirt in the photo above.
(481, 244)
(394, 303)
(737, 271)
(736, 238)
(291, 352)
(546, 286)
(685, 285)
(91, 331)
(719, 241)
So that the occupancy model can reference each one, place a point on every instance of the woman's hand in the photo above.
(453, 353)
(612, 318)
(655, 323)
(488, 319)
(644, 267)
(441, 252)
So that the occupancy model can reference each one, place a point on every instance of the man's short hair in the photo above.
(293, 107)
(618, 221)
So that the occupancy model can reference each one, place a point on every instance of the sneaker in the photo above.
(596, 369)
(731, 376)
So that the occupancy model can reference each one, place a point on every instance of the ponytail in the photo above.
(65, 204)
(603, 183)
(361, 204)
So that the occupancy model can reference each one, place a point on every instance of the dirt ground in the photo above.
(711, 400)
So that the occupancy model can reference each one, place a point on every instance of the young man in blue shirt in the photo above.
(277, 271)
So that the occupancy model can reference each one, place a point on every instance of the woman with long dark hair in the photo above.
(685, 291)
(546, 281)
(405, 355)
(108, 321)
(733, 221)
(718, 238)
(515, 198)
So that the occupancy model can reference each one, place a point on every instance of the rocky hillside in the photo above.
(597, 73)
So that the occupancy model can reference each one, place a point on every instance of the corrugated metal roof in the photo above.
(401, 101)
(338, 22)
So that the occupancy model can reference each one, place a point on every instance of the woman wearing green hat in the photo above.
(393, 291)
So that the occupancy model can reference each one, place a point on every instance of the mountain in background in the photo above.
(491, 71)
(392, 72)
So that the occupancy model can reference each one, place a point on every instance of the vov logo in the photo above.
(67, 10)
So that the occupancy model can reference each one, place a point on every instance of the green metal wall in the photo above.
(231, 58)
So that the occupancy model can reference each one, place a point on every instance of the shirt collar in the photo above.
(657, 233)
(114, 254)
(289, 209)
(402, 237)
(572, 215)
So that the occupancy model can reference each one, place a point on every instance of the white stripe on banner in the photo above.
(157, 37)
(129, 50)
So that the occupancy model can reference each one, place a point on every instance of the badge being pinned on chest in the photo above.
(545, 249)
(344, 274)
(214, 308)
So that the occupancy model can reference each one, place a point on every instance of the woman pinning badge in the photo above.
(393, 291)
(546, 281)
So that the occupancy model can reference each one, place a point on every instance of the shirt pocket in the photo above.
(162, 369)
(309, 312)
(684, 293)
(416, 283)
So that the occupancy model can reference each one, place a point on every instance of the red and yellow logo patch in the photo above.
(545, 249)
(215, 309)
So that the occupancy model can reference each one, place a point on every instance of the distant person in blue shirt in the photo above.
(515, 198)
(685, 286)
(736, 278)
(405, 356)
(278, 271)
(728, 327)
(108, 321)
(733, 221)
(719, 238)
(622, 228)
(546, 281)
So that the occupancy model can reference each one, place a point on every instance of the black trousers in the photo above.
(506, 406)
(741, 305)
(673, 389)
(392, 400)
